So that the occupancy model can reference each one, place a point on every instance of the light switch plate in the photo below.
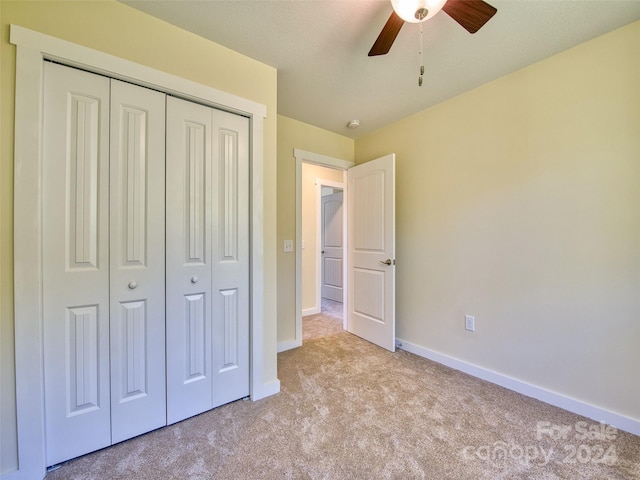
(288, 246)
(470, 323)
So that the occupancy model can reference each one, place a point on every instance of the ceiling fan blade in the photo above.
(471, 14)
(387, 35)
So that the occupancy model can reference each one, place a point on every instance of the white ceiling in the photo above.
(319, 47)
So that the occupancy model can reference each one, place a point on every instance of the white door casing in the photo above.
(331, 247)
(301, 157)
(137, 287)
(31, 49)
(371, 251)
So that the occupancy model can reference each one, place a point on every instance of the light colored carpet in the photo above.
(350, 410)
(328, 322)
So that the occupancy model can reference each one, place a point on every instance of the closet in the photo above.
(145, 260)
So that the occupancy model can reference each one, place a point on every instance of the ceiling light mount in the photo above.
(421, 13)
(416, 11)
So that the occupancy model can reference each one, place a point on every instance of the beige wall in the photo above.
(519, 202)
(117, 29)
(309, 228)
(294, 134)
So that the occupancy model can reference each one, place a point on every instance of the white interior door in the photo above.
(371, 251)
(207, 242)
(75, 262)
(137, 326)
(331, 247)
(188, 261)
(104, 284)
(230, 257)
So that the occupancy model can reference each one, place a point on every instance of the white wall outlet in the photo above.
(470, 323)
(288, 246)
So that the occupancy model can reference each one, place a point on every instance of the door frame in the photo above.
(301, 157)
(319, 228)
(32, 49)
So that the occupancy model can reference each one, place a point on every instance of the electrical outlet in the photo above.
(470, 323)
(288, 246)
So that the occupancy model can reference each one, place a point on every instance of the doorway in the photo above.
(318, 170)
(322, 259)
(370, 190)
(322, 238)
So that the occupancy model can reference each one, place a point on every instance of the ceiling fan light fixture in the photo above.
(416, 11)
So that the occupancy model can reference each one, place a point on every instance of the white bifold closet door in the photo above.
(103, 261)
(137, 287)
(207, 261)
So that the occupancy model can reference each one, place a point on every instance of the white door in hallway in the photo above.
(332, 248)
(371, 251)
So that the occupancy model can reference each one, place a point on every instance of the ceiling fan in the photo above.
(471, 14)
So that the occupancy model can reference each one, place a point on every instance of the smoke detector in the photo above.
(353, 124)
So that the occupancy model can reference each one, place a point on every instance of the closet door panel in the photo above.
(75, 262)
(230, 266)
(188, 242)
(137, 168)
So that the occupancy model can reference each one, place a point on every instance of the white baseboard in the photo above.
(311, 311)
(598, 414)
(268, 389)
(13, 475)
(25, 473)
(288, 345)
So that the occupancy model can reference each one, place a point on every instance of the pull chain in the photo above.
(421, 55)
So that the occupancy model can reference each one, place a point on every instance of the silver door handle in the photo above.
(132, 285)
(194, 279)
(386, 262)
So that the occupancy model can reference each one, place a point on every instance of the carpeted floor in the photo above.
(328, 322)
(350, 410)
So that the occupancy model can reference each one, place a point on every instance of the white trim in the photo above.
(316, 159)
(31, 49)
(345, 243)
(288, 345)
(298, 329)
(12, 475)
(322, 160)
(28, 264)
(268, 389)
(319, 184)
(311, 311)
(86, 58)
(552, 398)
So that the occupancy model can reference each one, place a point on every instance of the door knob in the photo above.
(132, 285)
(386, 262)
(194, 279)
